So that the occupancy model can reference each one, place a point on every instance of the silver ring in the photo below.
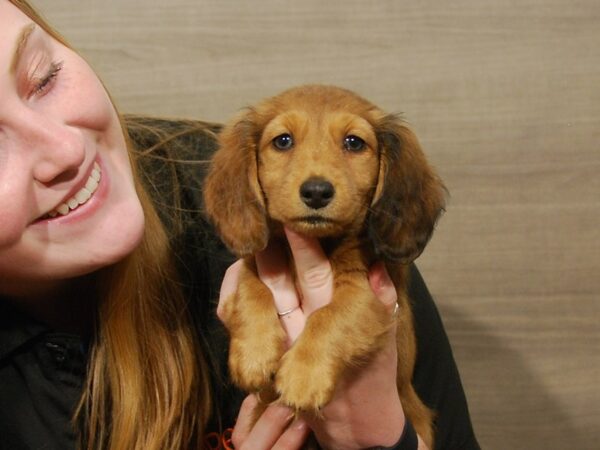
(287, 311)
(396, 310)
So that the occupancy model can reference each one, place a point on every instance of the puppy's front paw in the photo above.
(304, 384)
(252, 366)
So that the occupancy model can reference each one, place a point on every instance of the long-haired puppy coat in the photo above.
(326, 163)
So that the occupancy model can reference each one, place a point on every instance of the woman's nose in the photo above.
(56, 148)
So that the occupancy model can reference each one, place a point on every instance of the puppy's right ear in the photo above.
(233, 197)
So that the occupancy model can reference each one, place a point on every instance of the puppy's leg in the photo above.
(416, 411)
(257, 338)
(345, 332)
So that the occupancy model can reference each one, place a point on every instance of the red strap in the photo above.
(216, 441)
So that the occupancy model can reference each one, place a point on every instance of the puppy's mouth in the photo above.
(315, 225)
(314, 220)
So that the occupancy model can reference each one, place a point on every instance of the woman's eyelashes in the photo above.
(41, 85)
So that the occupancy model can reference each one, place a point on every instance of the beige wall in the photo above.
(505, 96)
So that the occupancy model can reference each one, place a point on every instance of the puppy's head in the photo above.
(324, 162)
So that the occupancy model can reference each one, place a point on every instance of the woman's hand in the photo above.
(366, 409)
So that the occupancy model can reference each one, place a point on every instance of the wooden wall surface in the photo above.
(505, 96)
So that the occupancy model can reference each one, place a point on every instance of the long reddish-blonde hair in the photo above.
(147, 384)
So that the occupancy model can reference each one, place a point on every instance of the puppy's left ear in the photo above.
(409, 196)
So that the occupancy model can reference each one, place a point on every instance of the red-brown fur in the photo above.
(385, 205)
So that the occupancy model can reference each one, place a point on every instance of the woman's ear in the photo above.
(233, 197)
(409, 196)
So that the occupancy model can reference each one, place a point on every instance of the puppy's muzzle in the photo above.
(317, 193)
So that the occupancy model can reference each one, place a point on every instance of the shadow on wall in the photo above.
(509, 407)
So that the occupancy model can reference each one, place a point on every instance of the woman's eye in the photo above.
(354, 143)
(41, 85)
(283, 142)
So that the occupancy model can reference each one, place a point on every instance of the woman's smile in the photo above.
(81, 196)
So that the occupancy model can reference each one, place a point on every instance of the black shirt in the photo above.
(42, 371)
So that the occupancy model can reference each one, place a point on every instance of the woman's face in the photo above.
(68, 205)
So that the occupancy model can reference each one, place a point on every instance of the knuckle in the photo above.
(276, 281)
(317, 276)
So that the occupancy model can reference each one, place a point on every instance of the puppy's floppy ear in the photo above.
(409, 196)
(232, 195)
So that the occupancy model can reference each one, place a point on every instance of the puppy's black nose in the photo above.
(316, 192)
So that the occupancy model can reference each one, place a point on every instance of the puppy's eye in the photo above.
(283, 142)
(354, 143)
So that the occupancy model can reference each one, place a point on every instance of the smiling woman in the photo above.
(108, 272)
(70, 206)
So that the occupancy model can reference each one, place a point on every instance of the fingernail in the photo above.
(299, 425)
(381, 281)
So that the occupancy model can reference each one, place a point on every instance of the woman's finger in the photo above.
(243, 424)
(294, 436)
(273, 271)
(229, 285)
(267, 431)
(314, 275)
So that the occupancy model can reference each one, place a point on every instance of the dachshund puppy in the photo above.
(326, 163)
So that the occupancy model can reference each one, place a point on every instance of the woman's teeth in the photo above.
(80, 197)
